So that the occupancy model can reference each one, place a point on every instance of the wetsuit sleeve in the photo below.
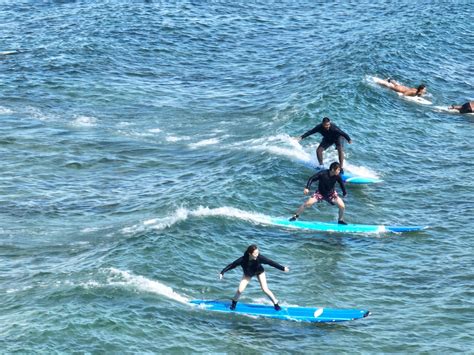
(232, 265)
(312, 179)
(342, 133)
(264, 260)
(341, 184)
(312, 131)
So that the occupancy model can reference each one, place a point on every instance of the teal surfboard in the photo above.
(349, 228)
(349, 178)
(301, 314)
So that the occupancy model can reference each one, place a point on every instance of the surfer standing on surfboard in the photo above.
(331, 135)
(402, 89)
(466, 108)
(327, 181)
(251, 263)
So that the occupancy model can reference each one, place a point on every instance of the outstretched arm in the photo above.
(344, 134)
(311, 131)
(265, 260)
(231, 266)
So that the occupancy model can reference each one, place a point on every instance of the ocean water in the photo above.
(141, 144)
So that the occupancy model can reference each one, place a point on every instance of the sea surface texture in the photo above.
(145, 144)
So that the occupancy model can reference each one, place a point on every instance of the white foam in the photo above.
(205, 142)
(90, 229)
(166, 222)
(126, 279)
(84, 121)
(232, 213)
(38, 114)
(361, 171)
(182, 214)
(5, 111)
(171, 138)
(285, 146)
(154, 130)
(281, 145)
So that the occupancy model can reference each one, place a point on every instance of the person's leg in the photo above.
(340, 152)
(242, 286)
(263, 284)
(319, 154)
(340, 204)
(300, 210)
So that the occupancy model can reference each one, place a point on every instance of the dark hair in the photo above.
(250, 249)
(419, 88)
(326, 119)
(334, 166)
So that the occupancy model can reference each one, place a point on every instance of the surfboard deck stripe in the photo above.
(302, 314)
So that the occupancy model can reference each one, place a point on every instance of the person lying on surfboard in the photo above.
(327, 181)
(468, 107)
(331, 135)
(402, 89)
(251, 263)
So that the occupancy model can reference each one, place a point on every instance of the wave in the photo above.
(125, 279)
(182, 214)
(283, 145)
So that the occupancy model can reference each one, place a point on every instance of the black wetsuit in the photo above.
(466, 108)
(330, 136)
(252, 267)
(326, 183)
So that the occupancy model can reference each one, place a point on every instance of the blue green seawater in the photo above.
(142, 142)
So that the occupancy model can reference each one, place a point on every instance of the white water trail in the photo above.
(141, 283)
(182, 214)
(287, 147)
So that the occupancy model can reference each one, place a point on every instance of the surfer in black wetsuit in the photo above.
(466, 108)
(331, 135)
(327, 181)
(251, 263)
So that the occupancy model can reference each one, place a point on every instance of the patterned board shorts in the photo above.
(331, 198)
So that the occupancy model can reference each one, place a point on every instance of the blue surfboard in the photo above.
(349, 228)
(301, 314)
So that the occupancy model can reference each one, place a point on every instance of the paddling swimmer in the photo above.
(327, 181)
(251, 263)
(402, 89)
(331, 135)
(468, 107)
